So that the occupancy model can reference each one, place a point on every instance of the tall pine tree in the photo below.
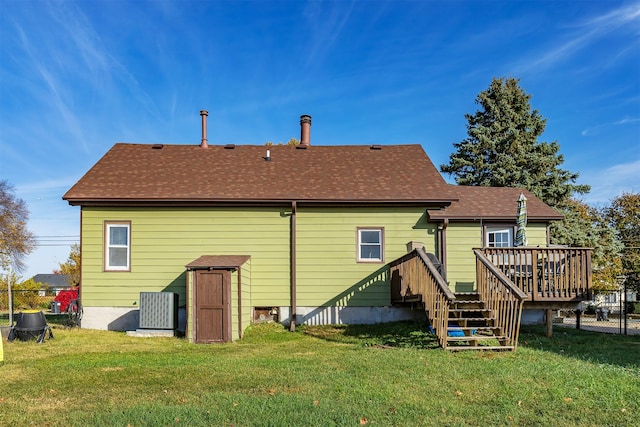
(502, 149)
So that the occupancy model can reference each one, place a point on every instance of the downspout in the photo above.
(292, 326)
(239, 302)
(81, 259)
(443, 244)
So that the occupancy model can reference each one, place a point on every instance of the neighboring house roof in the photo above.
(492, 203)
(144, 173)
(53, 280)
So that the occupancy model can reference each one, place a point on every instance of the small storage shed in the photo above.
(218, 298)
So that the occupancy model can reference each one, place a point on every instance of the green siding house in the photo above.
(300, 234)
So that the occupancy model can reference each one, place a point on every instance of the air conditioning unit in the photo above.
(158, 310)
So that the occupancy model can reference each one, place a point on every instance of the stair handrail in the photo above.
(498, 273)
(431, 287)
(442, 285)
(502, 296)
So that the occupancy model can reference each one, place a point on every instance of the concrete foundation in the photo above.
(127, 319)
(349, 315)
(120, 318)
(151, 333)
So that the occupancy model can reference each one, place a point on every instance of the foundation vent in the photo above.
(265, 314)
(158, 310)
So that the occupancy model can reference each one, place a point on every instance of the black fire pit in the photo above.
(30, 324)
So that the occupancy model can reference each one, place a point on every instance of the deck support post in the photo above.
(549, 322)
(578, 318)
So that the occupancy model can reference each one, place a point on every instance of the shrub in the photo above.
(590, 309)
(65, 297)
(26, 295)
(633, 307)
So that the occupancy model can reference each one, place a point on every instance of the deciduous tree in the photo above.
(586, 226)
(16, 241)
(72, 266)
(624, 217)
(291, 142)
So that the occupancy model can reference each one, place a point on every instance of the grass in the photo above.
(332, 375)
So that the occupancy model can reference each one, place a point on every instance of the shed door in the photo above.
(212, 306)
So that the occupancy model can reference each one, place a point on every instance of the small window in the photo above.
(117, 252)
(499, 237)
(370, 247)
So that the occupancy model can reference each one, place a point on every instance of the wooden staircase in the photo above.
(471, 325)
(488, 319)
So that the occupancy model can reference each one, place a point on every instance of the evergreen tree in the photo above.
(502, 149)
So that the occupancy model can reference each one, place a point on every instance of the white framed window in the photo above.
(370, 244)
(499, 237)
(117, 246)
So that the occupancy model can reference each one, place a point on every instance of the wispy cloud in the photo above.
(627, 120)
(326, 31)
(98, 63)
(586, 33)
(616, 17)
(611, 182)
(594, 130)
(36, 187)
(77, 68)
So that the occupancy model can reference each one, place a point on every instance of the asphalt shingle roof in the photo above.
(494, 203)
(143, 172)
(53, 280)
(156, 173)
(218, 261)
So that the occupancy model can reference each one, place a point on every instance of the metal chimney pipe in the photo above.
(305, 130)
(203, 142)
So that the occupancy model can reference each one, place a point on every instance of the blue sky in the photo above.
(77, 77)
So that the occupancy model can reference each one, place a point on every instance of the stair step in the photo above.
(462, 323)
(470, 312)
(482, 347)
(463, 304)
(476, 338)
(472, 296)
(467, 320)
(473, 328)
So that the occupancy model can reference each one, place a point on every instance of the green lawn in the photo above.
(320, 376)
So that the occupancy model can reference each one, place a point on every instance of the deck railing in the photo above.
(415, 278)
(545, 274)
(501, 297)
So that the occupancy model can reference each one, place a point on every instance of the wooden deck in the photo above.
(506, 279)
(546, 275)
